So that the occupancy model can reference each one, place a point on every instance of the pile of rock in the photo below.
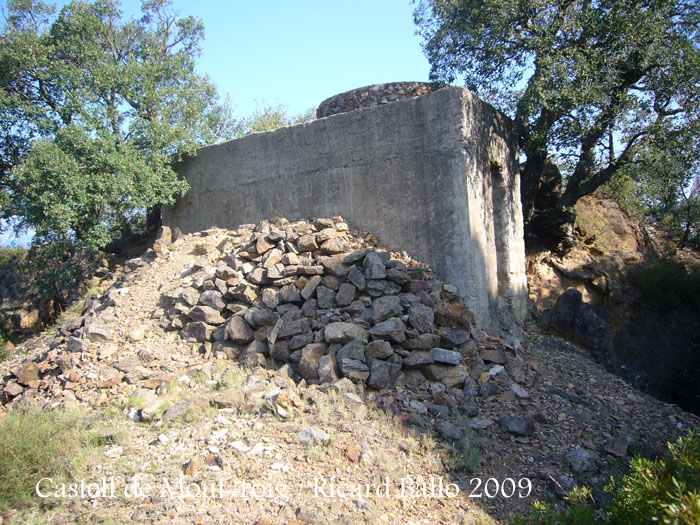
(308, 296)
(312, 300)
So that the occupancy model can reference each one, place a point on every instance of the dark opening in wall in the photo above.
(498, 199)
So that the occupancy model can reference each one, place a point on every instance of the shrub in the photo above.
(3, 339)
(667, 285)
(627, 193)
(10, 254)
(579, 511)
(661, 491)
(38, 444)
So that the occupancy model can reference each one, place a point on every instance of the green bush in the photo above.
(667, 285)
(579, 511)
(10, 254)
(3, 339)
(38, 444)
(627, 193)
(466, 454)
(660, 491)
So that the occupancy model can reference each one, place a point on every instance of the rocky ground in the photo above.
(297, 373)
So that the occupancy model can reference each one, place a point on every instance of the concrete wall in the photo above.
(435, 176)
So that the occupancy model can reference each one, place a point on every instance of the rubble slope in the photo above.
(288, 354)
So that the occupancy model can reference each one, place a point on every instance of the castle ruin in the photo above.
(430, 172)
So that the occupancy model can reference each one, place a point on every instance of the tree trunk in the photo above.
(153, 219)
(546, 221)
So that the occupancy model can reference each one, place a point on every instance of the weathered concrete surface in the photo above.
(435, 176)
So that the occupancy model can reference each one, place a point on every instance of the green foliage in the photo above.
(38, 444)
(594, 86)
(61, 264)
(661, 491)
(4, 338)
(94, 110)
(466, 454)
(667, 285)
(626, 192)
(669, 182)
(10, 255)
(268, 117)
(663, 187)
(578, 510)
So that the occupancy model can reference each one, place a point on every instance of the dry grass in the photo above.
(40, 444)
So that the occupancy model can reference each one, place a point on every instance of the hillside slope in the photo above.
(646, 299)
(241, 388)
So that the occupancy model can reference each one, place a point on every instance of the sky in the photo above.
(299, 52)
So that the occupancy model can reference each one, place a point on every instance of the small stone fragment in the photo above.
(379, 350)
(345, 294)
(448, 430)
(386, 307)
(374, 267)
(357, 278)
(336, 245)
(450, 357)
(325, 297)
(28, 375)
(193, 465)
(392, 329)
(230, 398)
(327, 372)
(617, 446)
(520, 426)
(312, 435)
(579, 459)
(309, 362)
(308, 290)
(382, 374)
(238, 331)
(494, 355)
(307, 243)
(340, 332)
(449, 315)
(206, 314)
(454, 337)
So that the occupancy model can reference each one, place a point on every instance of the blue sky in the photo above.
(300, 52)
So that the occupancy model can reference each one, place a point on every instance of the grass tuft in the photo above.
(38, 444)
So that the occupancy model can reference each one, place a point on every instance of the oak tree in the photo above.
(593, 86)
(94, 111)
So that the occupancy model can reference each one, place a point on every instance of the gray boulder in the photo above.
(341, 332)
(382, 374)
(392, 329)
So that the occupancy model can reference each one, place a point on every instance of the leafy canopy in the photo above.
(268, 117)
(594, 86)
(94, 110)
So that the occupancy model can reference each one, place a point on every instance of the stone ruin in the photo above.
(435, 175)
(371, 96)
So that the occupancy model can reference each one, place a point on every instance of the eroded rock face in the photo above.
(587, 324)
